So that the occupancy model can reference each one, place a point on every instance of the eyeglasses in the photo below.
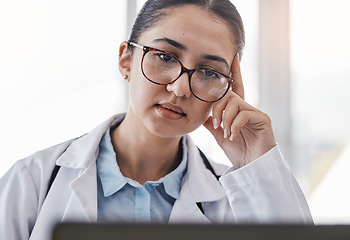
(162, 68)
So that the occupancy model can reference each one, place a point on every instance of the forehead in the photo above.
(198, 29)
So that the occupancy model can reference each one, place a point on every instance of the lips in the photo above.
(173, 108)
(170, 111)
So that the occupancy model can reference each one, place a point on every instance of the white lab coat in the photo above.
(264, 191)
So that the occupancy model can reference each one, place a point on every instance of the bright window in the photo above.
(320, 61)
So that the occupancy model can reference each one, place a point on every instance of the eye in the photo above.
(208, 73)
(211, 73)
(165, 57)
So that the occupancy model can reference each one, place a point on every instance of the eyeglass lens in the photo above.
(205, 84)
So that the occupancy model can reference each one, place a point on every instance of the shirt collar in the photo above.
(112, 179)
(172, 181)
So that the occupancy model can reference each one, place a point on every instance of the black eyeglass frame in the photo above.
(190, 72)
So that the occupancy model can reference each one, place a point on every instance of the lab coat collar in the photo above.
(84, 150)
(202, 183)
(198, 183)
(82, 154)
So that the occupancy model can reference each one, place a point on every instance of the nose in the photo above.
(180, 87)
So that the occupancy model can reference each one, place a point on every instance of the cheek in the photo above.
(202, 111)
(137, 83)
(140, 89)
(144, 94)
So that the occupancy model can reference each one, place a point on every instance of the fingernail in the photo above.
(215, 123)
(226, 133)
(231, 137)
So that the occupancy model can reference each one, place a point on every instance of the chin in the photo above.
(171, 130)
(166, 132)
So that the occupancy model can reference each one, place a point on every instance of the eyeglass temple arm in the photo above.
(136, 45)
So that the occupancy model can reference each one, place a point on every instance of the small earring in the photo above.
(125, 77)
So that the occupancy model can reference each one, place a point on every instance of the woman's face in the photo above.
(198, 39)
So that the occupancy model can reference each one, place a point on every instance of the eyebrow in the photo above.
(183, 48)
(216, 58)
(171, 42)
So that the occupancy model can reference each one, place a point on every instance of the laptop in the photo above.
(115, 231)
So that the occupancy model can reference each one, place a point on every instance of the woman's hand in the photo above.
(242, 131)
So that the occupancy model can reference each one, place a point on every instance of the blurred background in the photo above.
(59, 79)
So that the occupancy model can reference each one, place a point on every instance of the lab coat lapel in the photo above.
(83, 200)
(84, 190)
(199, 185)
(185, 209)
(82, 154)
(203, 185)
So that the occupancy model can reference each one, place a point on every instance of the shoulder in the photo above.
(34, 170)
(26, 182)
(47, 157)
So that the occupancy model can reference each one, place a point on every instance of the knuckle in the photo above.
(266, 118)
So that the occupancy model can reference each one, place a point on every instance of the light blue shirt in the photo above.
(125, 200)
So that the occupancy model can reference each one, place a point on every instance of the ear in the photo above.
(237, 86)
(124, 59)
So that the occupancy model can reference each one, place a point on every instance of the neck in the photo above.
(141, 155)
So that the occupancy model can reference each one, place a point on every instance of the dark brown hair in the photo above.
(153, 10)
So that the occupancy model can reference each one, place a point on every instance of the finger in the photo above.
(256, 121)
(239, 122)
(217, 111)
(217, 133)
(237, 86)
(233, 107)
(230, 113)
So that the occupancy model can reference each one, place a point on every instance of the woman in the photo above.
(182, 63)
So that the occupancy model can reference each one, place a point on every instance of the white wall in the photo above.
(58, 71)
